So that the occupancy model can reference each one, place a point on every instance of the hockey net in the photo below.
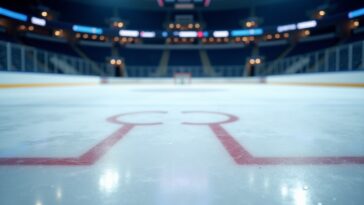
(182, 78)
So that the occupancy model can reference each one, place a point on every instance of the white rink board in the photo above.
(35, 78)
(335, 77)
(354, 77)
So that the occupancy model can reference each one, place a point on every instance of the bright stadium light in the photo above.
(322, 13)
(307, 24)
(252, 61)
(220, 34)
(250, 23)
(120, 24)
(86, 29)
(44, 13)
(188, 34)
(355, 24)
(116, 61)
(147, 34)
(306, 32)
(58, 33)
(129, 33)
(38, 21)
(13, 14)
(356, 13)
(247, 32)
(288, 27)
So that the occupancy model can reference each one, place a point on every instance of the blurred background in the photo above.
(158, 38)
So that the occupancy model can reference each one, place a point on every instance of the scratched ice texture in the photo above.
(176, 163)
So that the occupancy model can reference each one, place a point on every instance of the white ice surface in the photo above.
(180, 164)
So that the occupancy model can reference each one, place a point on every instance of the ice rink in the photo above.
(172, 144)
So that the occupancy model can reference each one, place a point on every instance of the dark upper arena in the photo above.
(156, 38)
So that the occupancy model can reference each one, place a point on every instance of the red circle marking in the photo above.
(114, 119)
(231, 118)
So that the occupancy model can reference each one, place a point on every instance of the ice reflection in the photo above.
(38, 202)
(284, 190)
(266, 183)
(300, 196)
(187, 187)
(251, 179)
(109, 181)
(59, 193)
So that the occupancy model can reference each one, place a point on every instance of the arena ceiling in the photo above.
(153, 5)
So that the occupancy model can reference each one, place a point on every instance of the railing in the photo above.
(16, 57)
(346, 57)
(196, 71)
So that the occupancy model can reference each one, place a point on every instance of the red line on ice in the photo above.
(89, 157)
(243, 157)
(237, 151)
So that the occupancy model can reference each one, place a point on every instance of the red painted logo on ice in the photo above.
(236, 150)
